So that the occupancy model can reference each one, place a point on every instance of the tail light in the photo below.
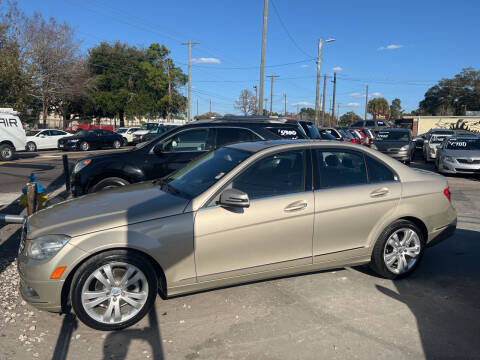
(447, 193)
(355, 141)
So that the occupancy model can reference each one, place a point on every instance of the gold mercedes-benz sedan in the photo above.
(244, 212)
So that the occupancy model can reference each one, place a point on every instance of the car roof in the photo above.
(247, 119)
(396, 130)
(446, 130)
(465, 136)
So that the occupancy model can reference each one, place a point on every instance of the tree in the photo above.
(207, 115)
(453, 96)
(378, 106)
(307, 114)
(349, 118)
(246, 102)
(396, 111)
(51, 50)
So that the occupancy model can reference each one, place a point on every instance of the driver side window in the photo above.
(187, 141)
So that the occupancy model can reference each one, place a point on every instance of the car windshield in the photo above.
(205, 171)
(437, 139)
(393, 136)
(463, 144)
(84, 133)
(121, 130)
(440, 132)
(32, 132)
(148, 126)
(345, 134)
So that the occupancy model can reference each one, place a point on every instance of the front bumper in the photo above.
(442, 234)
(402, 155)
(37, 288)
(69, 146)
(454, 167)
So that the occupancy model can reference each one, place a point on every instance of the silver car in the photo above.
(459, 154)
(433, 139)
(242, 213)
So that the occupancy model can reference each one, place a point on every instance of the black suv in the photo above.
(373, 124)
(174, 149)
(91, 139)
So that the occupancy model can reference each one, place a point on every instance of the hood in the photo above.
(106, 209)
(385, 145)
(462, 153)
(141, 132)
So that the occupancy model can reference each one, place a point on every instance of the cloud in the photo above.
(353, 104)
(375, 94)
(390, 47)
(304, 66)
(337, 68)
(361, 96)
(206, 61)
(302, 103)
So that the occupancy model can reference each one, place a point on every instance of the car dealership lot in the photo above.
(343, 313)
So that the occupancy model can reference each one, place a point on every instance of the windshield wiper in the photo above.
(164, 184)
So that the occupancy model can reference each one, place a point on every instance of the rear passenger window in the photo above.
(370, 123)
(357, 124)
(341, 168)
(378, 172)
(234, 135)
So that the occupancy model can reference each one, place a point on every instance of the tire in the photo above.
(84, 146)
(106, 315)
(117, 144)
(6, 152)
(385, 249)
(31, 146)
(108, 183)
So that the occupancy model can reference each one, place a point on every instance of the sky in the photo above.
(398, 48)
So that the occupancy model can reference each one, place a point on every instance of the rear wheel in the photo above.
(114, 290)
(6, 152)
(398, 250)
(84, 146)
(31, 146)
(117, 144)
(109, 183)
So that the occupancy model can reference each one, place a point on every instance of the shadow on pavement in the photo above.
(444, 296)
(69, 324)
(117, 343)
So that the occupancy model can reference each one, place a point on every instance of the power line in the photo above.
(287, 32)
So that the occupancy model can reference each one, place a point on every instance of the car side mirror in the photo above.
(158, 149)
(234, 198)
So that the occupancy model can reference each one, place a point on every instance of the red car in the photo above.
(368, 136)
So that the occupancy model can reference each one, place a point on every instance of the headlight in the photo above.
(45, 247)
(74, 140)
(404, 147)
(448, 158)
(81, 164)
(374, 147)
(433, 150)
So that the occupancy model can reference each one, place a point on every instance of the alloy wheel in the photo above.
(114, 293)
(7, 153)
(402, 250)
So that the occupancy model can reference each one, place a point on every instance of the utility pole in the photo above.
(210, 100)
(189, 43)
(256, 99)
(334, 90)
(366, 103)
(271, 91)
(319, 67)
(266, 104)
(330, 110)
(338, 113)
(285, 102)
(169, 115)
(197, 107)
(262, 61)
(323, 102)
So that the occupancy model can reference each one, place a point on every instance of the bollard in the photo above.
(32, 204)
(66, 173)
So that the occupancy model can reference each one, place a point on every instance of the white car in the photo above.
(127, 133)
(44, 139)
(12, 134)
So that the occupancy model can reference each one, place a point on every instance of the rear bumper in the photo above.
(442, 234)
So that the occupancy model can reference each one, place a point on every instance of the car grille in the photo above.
(469, 161)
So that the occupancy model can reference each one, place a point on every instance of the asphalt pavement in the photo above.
(346, 313)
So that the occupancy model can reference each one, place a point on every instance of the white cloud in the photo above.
(353, 104)
(357, 95)
(206, 61)
(302, 103)
(390, 47)
(304, 66)
(375, 94)
(337, 68)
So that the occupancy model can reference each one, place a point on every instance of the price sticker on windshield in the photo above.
(458, 143)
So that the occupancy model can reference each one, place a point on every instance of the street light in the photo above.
(319, 66)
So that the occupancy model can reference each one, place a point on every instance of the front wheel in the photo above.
(114, 290)
(108, 183)
(6, 152)
(84, 146)
(117, 144)
(31, 146)
(398, 250)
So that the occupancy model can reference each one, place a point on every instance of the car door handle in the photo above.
(379, 192)
(295, 206)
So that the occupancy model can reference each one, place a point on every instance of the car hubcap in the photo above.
(31, 147)
(116, 144)
(115, 293)
(85, 146)
(7, 153)
(402, 250)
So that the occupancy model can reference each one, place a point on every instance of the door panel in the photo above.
(269, 232)
(346, 216)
